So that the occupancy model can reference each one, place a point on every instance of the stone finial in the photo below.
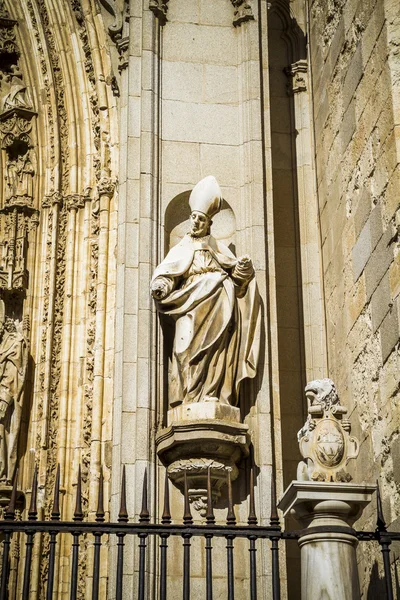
(324, 440)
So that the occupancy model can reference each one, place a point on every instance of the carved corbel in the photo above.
(243, 12)
(297, 74)
(160, 9)
(119, 29)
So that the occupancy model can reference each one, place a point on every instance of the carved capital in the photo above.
(51, 199)
(74, 201)
(243, 12)
(297, 74)
(106, 187)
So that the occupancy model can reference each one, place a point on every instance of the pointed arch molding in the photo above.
(59, 145)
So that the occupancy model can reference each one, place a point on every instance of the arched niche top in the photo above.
(177, 224)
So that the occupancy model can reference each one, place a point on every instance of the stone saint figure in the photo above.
(213, 298)
(14, 349)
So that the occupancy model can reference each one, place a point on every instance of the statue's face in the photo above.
(200, 224)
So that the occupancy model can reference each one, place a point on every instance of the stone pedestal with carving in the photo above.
(328, 558)
(198, 437)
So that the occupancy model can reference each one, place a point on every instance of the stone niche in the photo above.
(205, 435)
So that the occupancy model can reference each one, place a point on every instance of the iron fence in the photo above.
(143, 529)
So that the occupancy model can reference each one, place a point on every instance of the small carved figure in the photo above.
(14, 348)
(19, 179)
(324, 440)
(16, 94)
(214, 300)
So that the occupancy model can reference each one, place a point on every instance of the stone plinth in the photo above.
(328, 559)
(195, 446)
(204, 411)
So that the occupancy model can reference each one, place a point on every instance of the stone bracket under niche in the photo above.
(242, 13)
(197, 445)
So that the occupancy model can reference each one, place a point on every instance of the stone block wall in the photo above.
(355, 59)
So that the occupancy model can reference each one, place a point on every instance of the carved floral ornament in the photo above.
(243, 11)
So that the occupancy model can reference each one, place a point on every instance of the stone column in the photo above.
(327, 511)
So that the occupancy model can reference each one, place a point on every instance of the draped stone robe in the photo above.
(217, 321)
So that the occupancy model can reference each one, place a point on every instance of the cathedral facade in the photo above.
(111, 112)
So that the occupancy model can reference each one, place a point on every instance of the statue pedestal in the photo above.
(196, 444)
(328, 558)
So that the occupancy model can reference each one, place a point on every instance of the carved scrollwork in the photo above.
(118, 30)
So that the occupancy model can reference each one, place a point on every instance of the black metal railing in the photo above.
(162, 531)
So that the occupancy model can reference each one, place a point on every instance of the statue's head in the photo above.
(205, 201)
(322, 391)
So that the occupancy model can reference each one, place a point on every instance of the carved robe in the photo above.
(217, 321)
(13, 366)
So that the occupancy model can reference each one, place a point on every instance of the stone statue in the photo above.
(324, 440)
(16, 94)
(213, 298)
(14, 348)
(19, 179)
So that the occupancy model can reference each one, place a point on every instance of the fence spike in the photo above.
(100, 499)
(210, 518)
(274, 518)
(55, 513)
(9, 514)
(380, 521)
(187, 515)
(252, 520)
(123, 513)
(32, 512)
(166, 516)
(78, 514)
(230, 517)
(144, 516)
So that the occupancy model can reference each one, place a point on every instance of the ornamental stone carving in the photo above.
(14, 349)
(325, 441)
(213, 298)
(243, 12)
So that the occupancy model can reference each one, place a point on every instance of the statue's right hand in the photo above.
(159, 290)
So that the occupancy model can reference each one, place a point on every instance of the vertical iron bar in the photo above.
(4, 570)
(209, 586)
(142, 564)
(55, 516)
(28, 562)
(229, 551)
(32, 515)
(9, 515)
(274, 522)
(187, 520)
(230, 520)
(385, 542)
(165, 520)
(122, 518)
(97, 539)
(144, 517)
(252, 520)
(210, 520)
(253, 570)
(78, 516)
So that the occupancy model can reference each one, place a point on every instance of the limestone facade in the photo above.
(110, 112)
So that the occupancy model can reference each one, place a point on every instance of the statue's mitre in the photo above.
(206, 197)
